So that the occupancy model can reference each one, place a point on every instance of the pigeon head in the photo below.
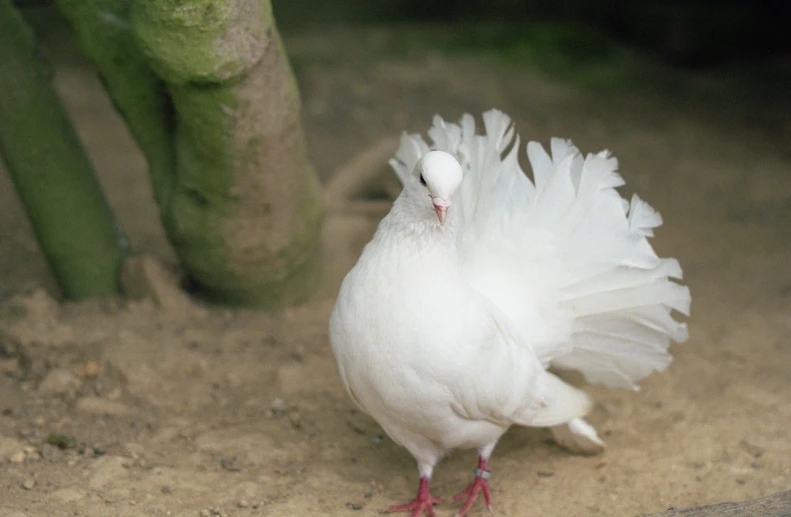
(439, 176)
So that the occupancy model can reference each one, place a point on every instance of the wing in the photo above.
(564, 257)
(505, 383)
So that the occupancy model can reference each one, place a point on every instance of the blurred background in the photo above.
(368, 70)
(696, 32)
(681, 32)
(719, 52)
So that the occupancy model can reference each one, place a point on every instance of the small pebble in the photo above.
(368, 495)
(205, 513)
(49, 451)
(58, 381)
(243, 503)
(355, 506)
(755, 450)
(17, 457)
(296, 420)
(90, 369)
(278, 404)
(28, 484)
(229, 464)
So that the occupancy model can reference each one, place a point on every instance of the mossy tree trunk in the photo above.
(207, 91)
(51, 171)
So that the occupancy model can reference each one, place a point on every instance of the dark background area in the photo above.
(690, 33)
(702, 32)
(726, 54)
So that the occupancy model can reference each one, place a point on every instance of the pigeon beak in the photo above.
(441, 208)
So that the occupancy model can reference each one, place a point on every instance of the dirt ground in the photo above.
(126, 408)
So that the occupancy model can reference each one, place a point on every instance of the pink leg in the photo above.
(423, 502)
(478, 484)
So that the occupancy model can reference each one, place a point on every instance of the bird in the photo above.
(481, 284)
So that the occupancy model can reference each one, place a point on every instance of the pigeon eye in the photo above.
(422, 180)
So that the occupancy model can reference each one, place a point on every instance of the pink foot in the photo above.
(423, 502)
(478, 484)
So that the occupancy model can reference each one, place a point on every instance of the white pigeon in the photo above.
(479, 280)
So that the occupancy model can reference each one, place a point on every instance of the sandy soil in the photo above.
(121, 407)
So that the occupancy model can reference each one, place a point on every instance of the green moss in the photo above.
(104, 33)
(203, 201)
(203, 49)
(51, 171)
(288, 277)
(201, 41)
(204, 175)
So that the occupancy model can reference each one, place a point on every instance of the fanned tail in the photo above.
(565, 257)
(617, 289)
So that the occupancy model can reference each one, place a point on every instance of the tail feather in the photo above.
(666, 293)
(560, 190)
(578, 436)
(643, 218)
(444, 135)
(564, 256)
(623, 278)
(541, 162)
(562, 403)
(410, 149)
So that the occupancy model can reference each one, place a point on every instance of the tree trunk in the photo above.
(245, 211)
(51, 171)
(102, 28)
(237, 195)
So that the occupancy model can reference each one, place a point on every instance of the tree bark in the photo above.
(776, 505)
(51, 171)
(223, 136)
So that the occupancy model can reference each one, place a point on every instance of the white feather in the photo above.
(562, 250)
(444, 333)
